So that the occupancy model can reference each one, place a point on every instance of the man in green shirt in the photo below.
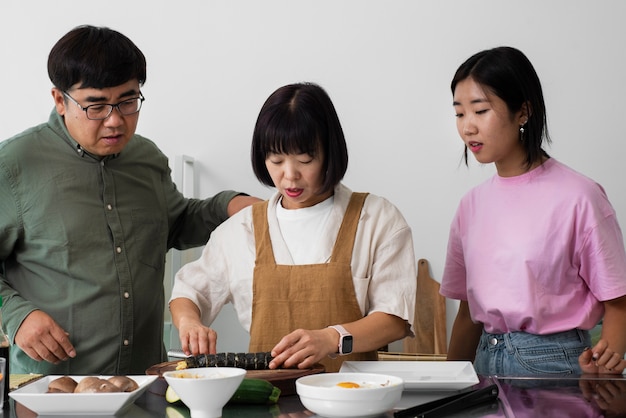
(88, 211)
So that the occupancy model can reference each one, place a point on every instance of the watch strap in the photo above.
(343, 333)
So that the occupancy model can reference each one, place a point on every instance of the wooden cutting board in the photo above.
(430, 315)
(284, 379)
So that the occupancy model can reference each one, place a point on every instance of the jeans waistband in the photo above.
(574, 334)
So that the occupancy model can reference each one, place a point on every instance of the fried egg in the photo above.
(361, 385)
(348, 385)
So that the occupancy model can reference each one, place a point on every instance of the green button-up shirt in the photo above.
(84, 239)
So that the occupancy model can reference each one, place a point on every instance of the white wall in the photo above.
(386, 64)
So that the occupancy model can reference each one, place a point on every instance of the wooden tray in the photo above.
(284, 379)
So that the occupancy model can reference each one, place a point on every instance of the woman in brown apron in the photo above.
(330, 274)
(326, 290)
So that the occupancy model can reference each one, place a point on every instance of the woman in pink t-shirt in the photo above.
(535, 254)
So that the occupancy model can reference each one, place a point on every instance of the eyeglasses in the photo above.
(102, 111)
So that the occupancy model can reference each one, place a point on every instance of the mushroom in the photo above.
(63, 384)
(126, 384)
(91, 384)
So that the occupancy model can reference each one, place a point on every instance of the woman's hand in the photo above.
(303, 348)
(601, 359)
(195, 338)
(609, 395)
(607, 356)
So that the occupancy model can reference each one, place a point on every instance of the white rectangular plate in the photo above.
(423, 375)
(34, 397)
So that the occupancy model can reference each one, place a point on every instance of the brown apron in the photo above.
(310, 296)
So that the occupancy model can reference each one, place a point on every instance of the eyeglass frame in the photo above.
(141, 99)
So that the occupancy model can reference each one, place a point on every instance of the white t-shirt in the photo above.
(302, 229)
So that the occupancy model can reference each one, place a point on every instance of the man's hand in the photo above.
(239, 202)
(41, 338)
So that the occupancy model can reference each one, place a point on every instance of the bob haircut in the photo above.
(300, 119)
(507, 73)
(96, 58)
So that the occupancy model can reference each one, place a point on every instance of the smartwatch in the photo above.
(345, 340)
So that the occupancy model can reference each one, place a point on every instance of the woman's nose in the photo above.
(291, 172)
(469, 128)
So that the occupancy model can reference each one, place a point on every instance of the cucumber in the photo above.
(255, 391)
(177, 412)
(171, 396)
(250, 391)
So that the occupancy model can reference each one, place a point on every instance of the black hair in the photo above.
(300, 119)
(507, 73)
(95, 57)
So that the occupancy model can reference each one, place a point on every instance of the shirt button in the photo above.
(493, 341)
(118, 250)
(109, 207)
(126, 342)
(126, 295)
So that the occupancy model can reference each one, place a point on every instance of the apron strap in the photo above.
(264, 251)
(342, 250)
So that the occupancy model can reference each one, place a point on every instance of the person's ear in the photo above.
(59, 101)
(525, 112)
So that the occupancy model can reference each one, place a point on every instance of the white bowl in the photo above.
(205, 390)
(377, 394)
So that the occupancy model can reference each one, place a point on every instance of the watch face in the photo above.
(346, 344)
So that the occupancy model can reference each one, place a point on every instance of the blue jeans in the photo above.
(522, 354)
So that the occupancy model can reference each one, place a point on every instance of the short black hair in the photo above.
(300, 119)
(95, 57)
(509, 74)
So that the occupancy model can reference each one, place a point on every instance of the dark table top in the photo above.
(581, 396)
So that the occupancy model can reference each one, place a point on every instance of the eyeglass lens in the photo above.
(127, 107)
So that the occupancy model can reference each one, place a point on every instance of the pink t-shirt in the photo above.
(536, 253)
